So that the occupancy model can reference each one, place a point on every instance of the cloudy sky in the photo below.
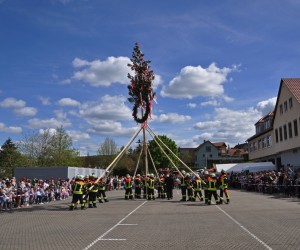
(218, 66)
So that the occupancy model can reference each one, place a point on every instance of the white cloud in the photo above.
(68, 102)
(11, 102)
(197, 81)
(173, 118)
(51, 131)
(266, 106)
(102, 73)
(45, 100)
(192, 105)
(212, 102)
(48, 123)
(109, 108)
(11, 129)
(207, 125)
(111, 128)
(227, 98)
(26, 111)
(230, 126)
(18, 106)
(78, 135)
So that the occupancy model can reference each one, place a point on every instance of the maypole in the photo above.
(141, 92)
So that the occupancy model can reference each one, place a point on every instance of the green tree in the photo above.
(10, 158)
(61, 151)
(50, 148)
(159, 158)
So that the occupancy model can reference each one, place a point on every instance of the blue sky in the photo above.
(218, 66)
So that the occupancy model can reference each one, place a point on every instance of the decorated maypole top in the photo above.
(140, 88)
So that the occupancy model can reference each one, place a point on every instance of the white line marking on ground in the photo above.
(109, 230)
(245, 229)
(128, 224)
(112, 239)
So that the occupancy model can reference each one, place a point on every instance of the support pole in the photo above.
(151, 131)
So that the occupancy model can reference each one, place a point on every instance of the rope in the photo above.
(151, 131)
(119, 156)
(166, 154)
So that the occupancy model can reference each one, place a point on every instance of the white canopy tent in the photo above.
(249, 166)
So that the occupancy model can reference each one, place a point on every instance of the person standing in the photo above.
(101, 191)
(150, 187)
(189, 186)
(212, 189)
(169, 181)
(160, 187)
(138, 187)
(93, 190)
(183, 186)
(78, 189)
(223, 181)
(197, 185)
(128, 187)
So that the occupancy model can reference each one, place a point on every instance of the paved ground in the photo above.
(251, 221)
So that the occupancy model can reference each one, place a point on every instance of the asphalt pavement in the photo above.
(250, 221)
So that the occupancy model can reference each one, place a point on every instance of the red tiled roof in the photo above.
(219, 144)
(293, 85)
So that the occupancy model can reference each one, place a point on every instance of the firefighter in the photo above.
(150, 187)
(205, 179)
(161, 187)
(183, 186)
(212, 188)
(101, 191)
(189, 186)
(93, 190)
(223, 182)
(197, 185)
(138, 187)
(128, 187)
(144, 182)
(78, 189)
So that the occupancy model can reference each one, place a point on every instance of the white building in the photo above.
(277, 137)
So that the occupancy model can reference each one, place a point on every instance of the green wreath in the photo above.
(146, 114)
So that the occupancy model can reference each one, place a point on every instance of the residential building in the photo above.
(277, 137)
(207, 154)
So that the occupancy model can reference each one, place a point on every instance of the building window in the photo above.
(281, 109)
(280, 133)
(290, 102)
(269, 141)
(295, 127)
(285, 106)
(276, 135)
(264, 142)
(290, 130)
(259, 144)
(285, 132)
(254, 146)
(267, 124)
(208, 148)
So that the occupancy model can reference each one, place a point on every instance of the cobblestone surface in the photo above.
(250, 221)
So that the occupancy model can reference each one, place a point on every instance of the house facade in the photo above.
(277, 137)
(207, 154)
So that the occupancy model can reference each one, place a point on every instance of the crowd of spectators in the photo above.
(284, 182)
(27, 192)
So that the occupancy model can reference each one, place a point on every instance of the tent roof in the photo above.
(250, 166)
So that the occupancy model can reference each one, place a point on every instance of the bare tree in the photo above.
(108, 147)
